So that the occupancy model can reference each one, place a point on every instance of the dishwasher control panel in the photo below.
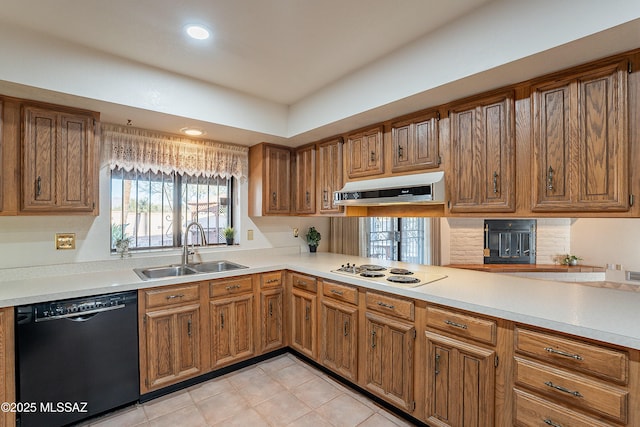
(77, 307)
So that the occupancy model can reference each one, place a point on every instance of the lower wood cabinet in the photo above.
(460, 383)
(271, 305)
(303, 322)
(389, 345)
(231, 329)
(7, 365)
(339, 338)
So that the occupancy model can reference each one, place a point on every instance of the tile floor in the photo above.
(283, 391)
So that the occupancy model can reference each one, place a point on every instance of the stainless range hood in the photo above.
(417, 189)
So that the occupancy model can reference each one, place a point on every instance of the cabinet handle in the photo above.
(548, 422)
(562, 389)
(306, 313)
(373, 156)
(437, 370)
(325, 196)
(495, 182)
(400, 151)
(307, 197)
(272, 280)
(232, 287)
(562, 353)
(38, 186)
(346, 328)
(456, 325)
(175, 296)
(550, 178)
(270, 309)
(337, 292)
(373, 339)
(274, 197)
(385, 305)
(221, 320)
(189, 327)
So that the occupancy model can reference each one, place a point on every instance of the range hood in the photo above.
(424, 188)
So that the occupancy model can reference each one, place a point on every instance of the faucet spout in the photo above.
(185, 246)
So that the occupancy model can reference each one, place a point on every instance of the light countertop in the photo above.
(607, 315)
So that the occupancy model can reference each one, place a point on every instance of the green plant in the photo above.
(228, 233)
(119, 234)
(570, 259)
(313, 236)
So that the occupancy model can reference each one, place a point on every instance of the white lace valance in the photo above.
(131, 148)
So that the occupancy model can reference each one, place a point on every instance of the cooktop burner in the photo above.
(369, 273)
(403, 279)
(372, 267)
(400, 271)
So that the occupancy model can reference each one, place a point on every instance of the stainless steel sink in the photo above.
(183, 270)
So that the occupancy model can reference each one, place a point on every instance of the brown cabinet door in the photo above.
(271, 303)
(482, 147)
(364, 153)
(339, 339)
(460, 383)
(389, 360)
(415, 143)
(278, 180)
(580, 142)
(76, 162)
(172, 344)
(305, 181)
(329, 175)
(231, 329)
(39, 153)
(303, 323)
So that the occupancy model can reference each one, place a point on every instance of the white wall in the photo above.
(29, 240)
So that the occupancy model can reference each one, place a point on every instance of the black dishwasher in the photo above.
(76, 358)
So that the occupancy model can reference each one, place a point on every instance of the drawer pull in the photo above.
(337, 292)
(562, 389)
(301, 283)
(563, 353)
(272, 280)
(175, 296)
(454, 324)
(385, 305)
(548, 422)
(232, 287)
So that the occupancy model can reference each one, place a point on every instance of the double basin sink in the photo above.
(187, 269)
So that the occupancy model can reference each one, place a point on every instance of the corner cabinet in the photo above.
(482, 170)
(414, 143)
(364, 153)
(60, 169)
(271, 309)
(269, 180)
(304, 303)
(329, 175)
(304, 182)
(580, 140)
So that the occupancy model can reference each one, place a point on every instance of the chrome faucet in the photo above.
(185, 246)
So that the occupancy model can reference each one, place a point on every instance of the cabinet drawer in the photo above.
(389, 305)
(589, 358)
(462, 324)
(231, 286)
(340, 292)
(532, 411)
(308, 283)
(271, 280)
(162, 297)
(579, 391)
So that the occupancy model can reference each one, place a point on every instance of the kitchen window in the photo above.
(400, 239)
(153, 209)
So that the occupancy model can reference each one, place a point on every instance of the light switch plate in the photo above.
(65, 241)
(249, 234)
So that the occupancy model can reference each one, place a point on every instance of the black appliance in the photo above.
(76, 358)
(510, 241)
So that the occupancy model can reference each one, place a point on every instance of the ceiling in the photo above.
(291, 71)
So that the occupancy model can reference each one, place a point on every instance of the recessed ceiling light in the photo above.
(197, 32)
(191, 131)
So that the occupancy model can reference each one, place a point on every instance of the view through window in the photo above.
(152, 210)
(397, 239)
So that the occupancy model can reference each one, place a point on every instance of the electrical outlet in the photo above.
(249, 234)
(295, 232)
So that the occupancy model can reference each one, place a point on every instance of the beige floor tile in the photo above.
(345, 411)
(130, 416)
(248, 418)
(282, 409)
(278, 363)
(222, 406)
(377, 420)
(245, 376)
(210, 388)
(316, 392)
(260, 389)
(167, 404)
(293, 375)
(396, 420)
(312, 419)
(189, 416)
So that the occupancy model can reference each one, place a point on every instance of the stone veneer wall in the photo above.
(553, 238)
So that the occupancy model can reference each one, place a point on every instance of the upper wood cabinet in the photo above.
(483, 155)
(414, 143)
(304, 180)
(364, 153)
(269, 180)
(60, 169)
(329, 175)
(580, 140)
